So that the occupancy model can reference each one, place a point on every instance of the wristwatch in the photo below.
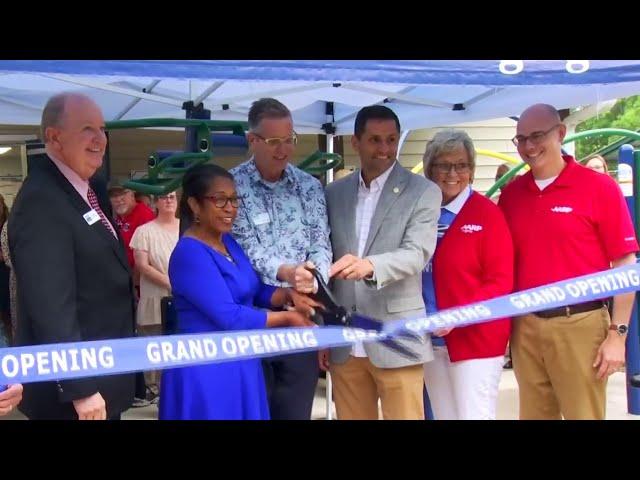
(620, 329)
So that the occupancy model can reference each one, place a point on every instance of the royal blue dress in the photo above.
(212, 294)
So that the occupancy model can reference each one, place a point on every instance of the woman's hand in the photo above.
(303, 303)
(297, 319)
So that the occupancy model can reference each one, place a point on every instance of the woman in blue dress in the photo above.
(215, 288)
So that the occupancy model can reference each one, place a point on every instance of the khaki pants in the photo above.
(357, 385)
(553, 363)
(151, 377)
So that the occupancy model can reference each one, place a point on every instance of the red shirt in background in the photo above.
(140, 215)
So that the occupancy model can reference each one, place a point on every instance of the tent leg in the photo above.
(329, 150)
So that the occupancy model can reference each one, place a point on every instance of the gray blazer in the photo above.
(402, 239)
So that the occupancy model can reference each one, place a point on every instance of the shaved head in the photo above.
(539, 137)
(541, 111)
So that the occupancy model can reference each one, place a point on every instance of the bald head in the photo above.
(539, 137)
(73, 131)
(541, 111)
(54, 110)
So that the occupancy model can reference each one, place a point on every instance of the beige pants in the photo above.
(151, 377)
(553, 363)
(357, 385)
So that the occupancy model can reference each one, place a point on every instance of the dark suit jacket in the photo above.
(74, 284)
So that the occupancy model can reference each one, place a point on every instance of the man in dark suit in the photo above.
(74, 282)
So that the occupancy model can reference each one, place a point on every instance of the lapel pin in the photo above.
(396, 189)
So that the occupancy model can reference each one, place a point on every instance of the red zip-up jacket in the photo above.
(473, 262)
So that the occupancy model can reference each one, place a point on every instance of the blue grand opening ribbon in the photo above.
(62, 361)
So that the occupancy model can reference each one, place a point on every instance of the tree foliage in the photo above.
(624, 114)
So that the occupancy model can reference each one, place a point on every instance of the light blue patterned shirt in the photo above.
(283, 222)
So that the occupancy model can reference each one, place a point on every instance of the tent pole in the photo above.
(329, 150)
(403, 137)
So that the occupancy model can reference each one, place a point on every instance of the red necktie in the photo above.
(93, 201)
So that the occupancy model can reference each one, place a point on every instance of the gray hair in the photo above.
(266, 108)
(446, 141)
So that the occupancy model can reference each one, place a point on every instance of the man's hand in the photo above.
(610, 356)
(10, 398)
(91, 408)
(323, 359)
(442, 332)
(303, 280)
(350, 267)
(298, 276)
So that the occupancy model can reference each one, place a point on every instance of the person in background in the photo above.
(6, 330)
(129, 215)
(13, 295)
(147, 200)
(598, 164)
(152, 244)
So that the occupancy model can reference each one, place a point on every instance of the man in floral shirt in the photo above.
(282, 225)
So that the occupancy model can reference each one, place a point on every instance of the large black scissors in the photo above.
(336, 315)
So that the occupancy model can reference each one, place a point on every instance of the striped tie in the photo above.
(93, 201)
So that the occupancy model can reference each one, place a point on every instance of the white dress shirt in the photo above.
(367, 202)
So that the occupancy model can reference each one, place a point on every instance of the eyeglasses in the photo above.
(221, 201)
(447, 167)
(535, 137)
(167, 197)
(277, 141)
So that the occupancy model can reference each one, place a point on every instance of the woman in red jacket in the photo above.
(473, 261)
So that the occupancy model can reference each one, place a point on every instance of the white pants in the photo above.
(465, 390)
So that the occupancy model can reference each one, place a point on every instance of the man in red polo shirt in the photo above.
(129, 214)
(566, 221)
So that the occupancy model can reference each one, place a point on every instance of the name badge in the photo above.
(261, 219)
(91, 217)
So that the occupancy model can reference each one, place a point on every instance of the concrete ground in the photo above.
(507, 402)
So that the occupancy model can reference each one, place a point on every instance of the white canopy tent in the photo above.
(323, 95)
(422, 93)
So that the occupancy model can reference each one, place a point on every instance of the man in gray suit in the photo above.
(383, 232)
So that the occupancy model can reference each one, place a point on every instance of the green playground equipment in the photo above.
(601, 132)
(166, 168)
